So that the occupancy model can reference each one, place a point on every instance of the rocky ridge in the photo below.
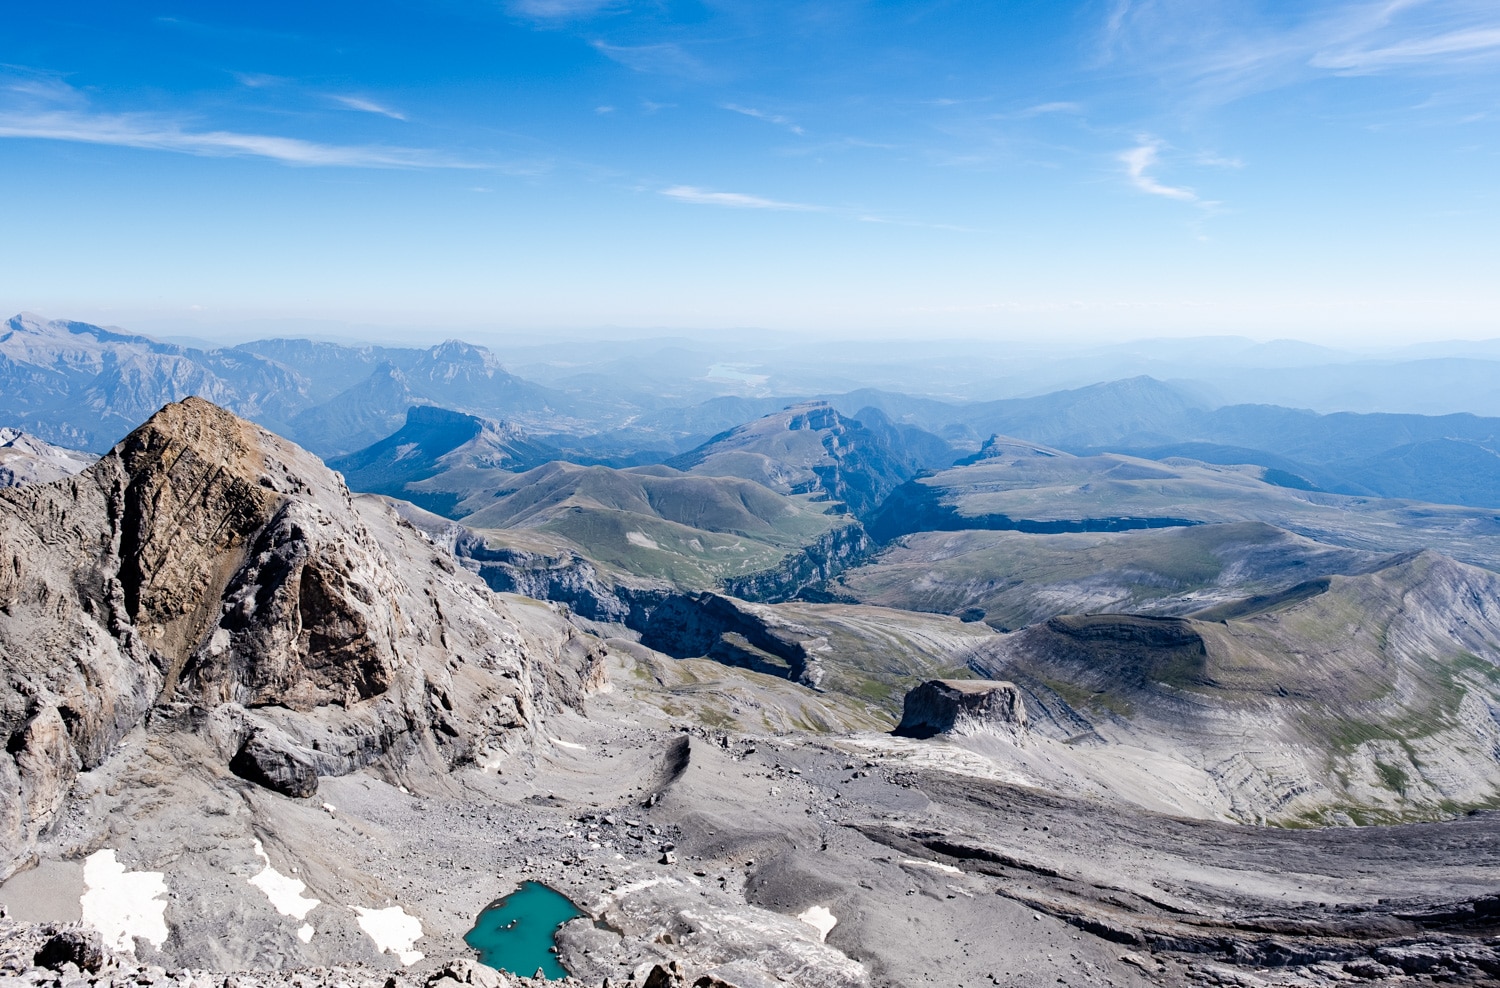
(207, 574)
(810, 447)
(26, 459)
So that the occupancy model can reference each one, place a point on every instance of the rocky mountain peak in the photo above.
(816, 415)
(809, 447)
(205, 563)
(457, 359)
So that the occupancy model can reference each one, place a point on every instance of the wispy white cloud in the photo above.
(771, 118)
(257, 80)
(366, 106)
(1230, 49)
(561, 9)
(1211, 160)
(1483, 42)
(29, 86)
(916, 224)
(1042, 109)
(1139, 161)
(735, 200)
(739, 200)
(659, 59)
(58, 112)
(152, 133)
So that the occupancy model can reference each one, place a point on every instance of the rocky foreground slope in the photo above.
(260, 729)
(210, 575)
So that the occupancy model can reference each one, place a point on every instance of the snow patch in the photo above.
(819, 918)
(392, 930)
(285, 893)
(641, 539)
(305, 933)
(937, 865)
(123, 905)
(568, 744)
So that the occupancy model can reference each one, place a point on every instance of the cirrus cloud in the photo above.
(1139, 161)
(156, 134)
(735, 200)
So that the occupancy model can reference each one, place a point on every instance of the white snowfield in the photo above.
(820, 918)
(642, 539)
(123, 905)
(934, 865)
(285, 893)
(392, 930)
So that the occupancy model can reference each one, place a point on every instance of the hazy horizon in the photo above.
(739, 339)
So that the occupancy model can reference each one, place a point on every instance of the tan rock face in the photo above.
(188, 504)
(205, 563)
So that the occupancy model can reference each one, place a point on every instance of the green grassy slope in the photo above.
(1072, 491)
(1017, 578)
(656, 523)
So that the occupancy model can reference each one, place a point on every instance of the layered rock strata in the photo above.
(961, 706)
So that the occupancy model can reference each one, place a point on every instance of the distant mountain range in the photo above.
(82, 386)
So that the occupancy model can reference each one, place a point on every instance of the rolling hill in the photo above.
(658, 524)
(1013, 579)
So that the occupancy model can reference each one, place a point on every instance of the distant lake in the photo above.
(516, 933)
(734, 372)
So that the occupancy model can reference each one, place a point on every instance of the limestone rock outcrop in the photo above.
(961, 706)
(205, 565)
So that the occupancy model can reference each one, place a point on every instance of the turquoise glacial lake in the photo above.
(516, 933)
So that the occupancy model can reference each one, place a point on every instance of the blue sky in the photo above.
(1117, 168)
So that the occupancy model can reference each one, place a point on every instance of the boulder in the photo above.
(962, 706)
(670, 976)
(83, 948)
(268, 760)
(464, 971)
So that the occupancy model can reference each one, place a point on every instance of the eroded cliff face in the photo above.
(214, 573)
(962, 706)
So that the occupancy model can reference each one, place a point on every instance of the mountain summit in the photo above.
(206, 565)
(806, 448)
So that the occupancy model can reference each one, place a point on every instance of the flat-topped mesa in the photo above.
(962, 706)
